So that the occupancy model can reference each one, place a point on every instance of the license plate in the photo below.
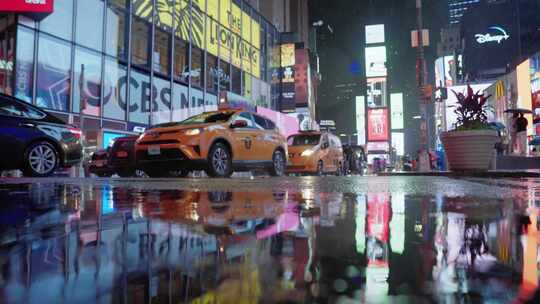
(121, 154)
(154, 150)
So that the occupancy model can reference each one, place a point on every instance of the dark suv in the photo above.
(122, 156)
(35, 141)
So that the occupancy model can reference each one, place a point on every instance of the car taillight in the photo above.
(121, 154)
(76, 132)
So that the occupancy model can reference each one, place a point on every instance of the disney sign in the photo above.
(488, 37)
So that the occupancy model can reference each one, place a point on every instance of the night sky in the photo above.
(342, 54)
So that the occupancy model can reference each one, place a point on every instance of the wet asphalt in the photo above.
(397, 239)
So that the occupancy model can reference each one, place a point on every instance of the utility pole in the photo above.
(421, 76)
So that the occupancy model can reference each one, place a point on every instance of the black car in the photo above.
(35, 141)
(122, 156)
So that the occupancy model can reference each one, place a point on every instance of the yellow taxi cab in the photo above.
(314, 152)
(219, 142)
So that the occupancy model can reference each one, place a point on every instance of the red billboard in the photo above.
(301, 77)
(378, 124)
(27, 6)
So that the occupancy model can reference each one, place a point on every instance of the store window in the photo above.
(236, 80)
(117, 32)
(114, 94)
(89, 30)
(246, 85)
(181, 51)
(140, 43)
(161, 52)
(53, 73)
(139, 99)
(161, 102)
(24, 71)
(87, 84)
(224, 76)
(60, 22)
(196, 67)
(7, 52)
(211, 73)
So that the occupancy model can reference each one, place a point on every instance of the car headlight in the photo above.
(192, 132)
(308, 152)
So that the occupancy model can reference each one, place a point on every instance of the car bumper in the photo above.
(169, 158)
(294, 167)
(73, 154)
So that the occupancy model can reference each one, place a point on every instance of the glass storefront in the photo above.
(138, 62)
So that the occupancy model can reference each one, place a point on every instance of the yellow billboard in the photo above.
(227, 30)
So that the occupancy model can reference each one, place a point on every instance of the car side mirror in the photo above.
(239, 124)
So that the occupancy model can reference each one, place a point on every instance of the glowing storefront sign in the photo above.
(484, 38)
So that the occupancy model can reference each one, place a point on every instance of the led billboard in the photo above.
(398, 142)
(376, 92)
(377, 124)
(360, 120)
(27, 6)
(396, 108)
(445, 71)
(376, 61)
(375, 33)
(524, 96)
(378, 146)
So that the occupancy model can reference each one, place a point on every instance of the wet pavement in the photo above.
(269, 240)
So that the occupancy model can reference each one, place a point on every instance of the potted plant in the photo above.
(469, 147)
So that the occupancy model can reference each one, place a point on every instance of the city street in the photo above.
(268, 240)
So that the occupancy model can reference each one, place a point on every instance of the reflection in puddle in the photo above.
(115, 244)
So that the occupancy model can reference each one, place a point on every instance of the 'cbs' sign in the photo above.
(27, 6)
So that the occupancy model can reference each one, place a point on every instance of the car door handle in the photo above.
(27, 125)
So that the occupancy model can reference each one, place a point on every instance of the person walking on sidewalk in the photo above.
(521, 131)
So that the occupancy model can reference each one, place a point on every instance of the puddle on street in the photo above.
(112, 244)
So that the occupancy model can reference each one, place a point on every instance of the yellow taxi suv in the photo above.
(314, 153)
(219, 142)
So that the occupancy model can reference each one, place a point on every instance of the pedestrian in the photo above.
(512, 133)
(521, 132)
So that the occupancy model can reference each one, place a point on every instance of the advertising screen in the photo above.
(489, 29)
(376, 92)
(375, 33)
(287, 55)
(451, 102)
(398, 142)
(524, 99)
(396, 106)
(301, 77)
(377, 124)
(360, 119)
(445, 71)
(376, 61)
(109, 137)
(377, 146)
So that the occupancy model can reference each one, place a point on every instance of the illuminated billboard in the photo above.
(396, 108)
(524, 96)
(445, 71)
(360, 120)
(287, 54)
(376, 92)
(229, 32)
(376, 61)
(374, 146)
(375, 33)
(398, 142)
(377, 124)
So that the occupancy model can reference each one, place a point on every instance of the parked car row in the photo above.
(219, 142)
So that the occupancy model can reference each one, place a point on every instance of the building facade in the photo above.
(124, 65)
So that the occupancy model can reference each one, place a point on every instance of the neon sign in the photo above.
(484, 38)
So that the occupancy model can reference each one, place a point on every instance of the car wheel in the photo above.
(41, 159)
(219, 161)
(320, 168)
(278, 164)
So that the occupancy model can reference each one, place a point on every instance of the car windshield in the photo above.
(209, 117)
(304, 140)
